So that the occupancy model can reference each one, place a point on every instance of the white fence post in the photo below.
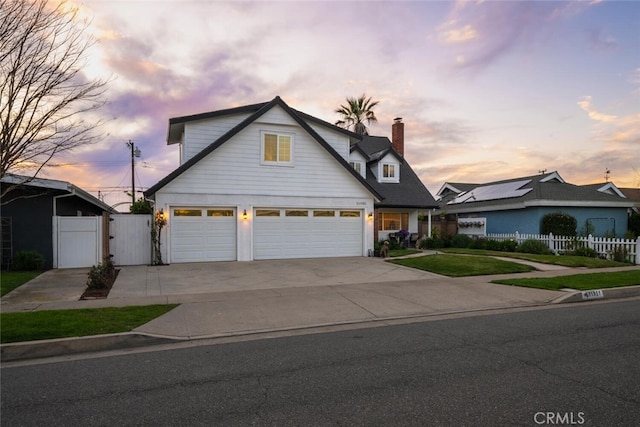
(551, 244)
(638, 250)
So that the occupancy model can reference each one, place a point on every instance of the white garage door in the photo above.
(307, 233)
(203, 234)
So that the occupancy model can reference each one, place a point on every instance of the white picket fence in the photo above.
(561, 244)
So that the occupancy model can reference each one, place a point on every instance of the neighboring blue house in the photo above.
(519, 204)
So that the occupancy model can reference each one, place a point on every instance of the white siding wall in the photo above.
(338, 141)
(198, 135)
(232, 176)
(234, 168)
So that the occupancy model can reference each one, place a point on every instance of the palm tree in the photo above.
(356, 113)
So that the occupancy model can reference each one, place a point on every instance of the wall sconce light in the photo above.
(161, 219)
(370, 216)
(244, 214)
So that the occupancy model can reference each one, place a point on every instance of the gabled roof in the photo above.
(256, 110)
(536, 190)
(176, 124)
(54, 184)
(410, 192)
(606, 187)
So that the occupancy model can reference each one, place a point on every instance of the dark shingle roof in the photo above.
(543, 189)
(410, 192)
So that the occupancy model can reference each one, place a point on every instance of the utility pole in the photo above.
(135, 152)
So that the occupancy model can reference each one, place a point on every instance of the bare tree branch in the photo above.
(46, 100)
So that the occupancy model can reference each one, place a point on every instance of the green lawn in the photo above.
(48, 324)
(564, 260)
(581, 282)
(460, 265)
(9, 280)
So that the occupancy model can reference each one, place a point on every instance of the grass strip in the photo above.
(459, 265)
(49, 324)
(581, 282)
(402, 252)
(563, 260)
(12, 279)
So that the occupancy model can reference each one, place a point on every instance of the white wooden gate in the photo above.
(77, 241)
(130, 239)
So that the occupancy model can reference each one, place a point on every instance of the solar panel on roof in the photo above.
(505, 190)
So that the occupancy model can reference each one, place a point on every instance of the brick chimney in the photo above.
(397, 135)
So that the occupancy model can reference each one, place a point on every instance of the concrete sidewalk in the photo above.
(231, 299)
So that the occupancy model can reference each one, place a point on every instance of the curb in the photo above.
(67, 346)
(597, 294)
(13, 352)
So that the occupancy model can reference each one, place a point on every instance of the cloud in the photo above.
(585, 104)
(479, 34)
(458, 35)
(610, 128)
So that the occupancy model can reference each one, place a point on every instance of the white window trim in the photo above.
(396, 172)
(278, 134)
(360, 166)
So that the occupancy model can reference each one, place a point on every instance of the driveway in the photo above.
(201, 278)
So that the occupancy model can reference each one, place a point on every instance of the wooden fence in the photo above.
(560, 244)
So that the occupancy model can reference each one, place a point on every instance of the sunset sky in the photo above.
(487, 90)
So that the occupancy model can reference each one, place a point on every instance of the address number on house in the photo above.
(593, 294)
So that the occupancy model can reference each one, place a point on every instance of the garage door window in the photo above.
(296, 212)
(350, 214)
(187, 212)
(267, 212)
(219, 212)
(324, 213)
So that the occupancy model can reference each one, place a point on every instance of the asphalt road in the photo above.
(569, 365)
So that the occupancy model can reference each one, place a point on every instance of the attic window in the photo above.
(276, 148)
(357, 166)
(389, 172)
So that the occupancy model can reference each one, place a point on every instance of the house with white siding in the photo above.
(264, 181)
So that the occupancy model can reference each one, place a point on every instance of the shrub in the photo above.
(460, 241)
(432, 243)
(533, 246)
(620, 254)
(558, 223)
(27, 261)
(586, 252)
(101, 276)
(509, 245)
(479, 243)
(141, 206)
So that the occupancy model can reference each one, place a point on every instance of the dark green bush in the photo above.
(558, 223)
(432, 243)
(101, 276)
(533, 246)
(584, 251)
(27, 261)
(461, 241)
(620, 254)
(479, 243)
(509, 245)
(141, 206)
